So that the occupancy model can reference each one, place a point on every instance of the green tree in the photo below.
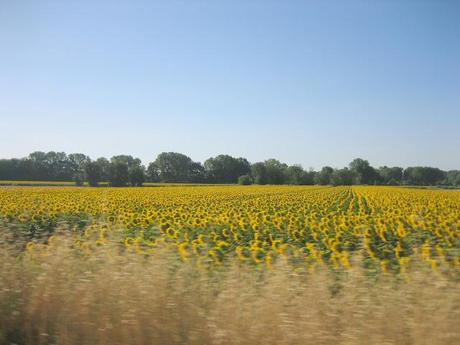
(259, 173)
(153, 172)
(17, 169)
(343, 176)
(75, 162)
(136, 175)
(453, 177)
(93, 173)
(118, 173)
(174, 167)
(423, 176)
(245, 180)
(126, 168)
(51, 166)
(364, 173)
(323, 177)
(79, 178)
(129, 160)
(197, 172)
(275, 171)
(60, 166)
(226, 169)
(104, 165)
(391, 175)
(309, 177)
(296, 175)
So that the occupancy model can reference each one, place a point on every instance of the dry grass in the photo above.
(62, 297)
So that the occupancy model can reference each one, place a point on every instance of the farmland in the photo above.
(259, 264)
(258, 224)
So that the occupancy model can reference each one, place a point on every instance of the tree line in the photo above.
(123, 170)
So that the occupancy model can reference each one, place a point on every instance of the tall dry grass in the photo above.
(63, 297)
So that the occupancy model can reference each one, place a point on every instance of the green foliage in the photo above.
(391, 176)
(453, 177)
(77, 162)
(175, 167)
(226, 169)
(423, 176)
(104, 165)
(136, 175)
(79, 179)
(118, 173)
(296, 175)
(363, 172)
(124, 169)
(245, 180)
(324, 176)
(197, 173)
(343, 177)
(130, 161)
(275, 171)
(153, 172)
(259, 173)
(93, 173)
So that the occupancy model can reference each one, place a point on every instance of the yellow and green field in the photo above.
(229, 265)
(386, 226)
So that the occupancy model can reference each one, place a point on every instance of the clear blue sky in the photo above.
(310, 82)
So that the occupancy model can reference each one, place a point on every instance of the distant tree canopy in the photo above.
(245, 180)
(46, 166)
(424, 175)
(118, 173)
(93, 173)
(175, 167)
(453, 177)
(323, 177)
(391, 176)
(226, 169)
(124, 170)
(362, 172)
(295, 174)
(344, 177)
(259, 173)
(275, 171)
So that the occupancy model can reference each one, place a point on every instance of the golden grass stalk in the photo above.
(115, 297)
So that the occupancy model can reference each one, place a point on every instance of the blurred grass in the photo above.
(57, 294)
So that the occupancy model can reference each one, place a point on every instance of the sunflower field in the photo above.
(384, 226)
